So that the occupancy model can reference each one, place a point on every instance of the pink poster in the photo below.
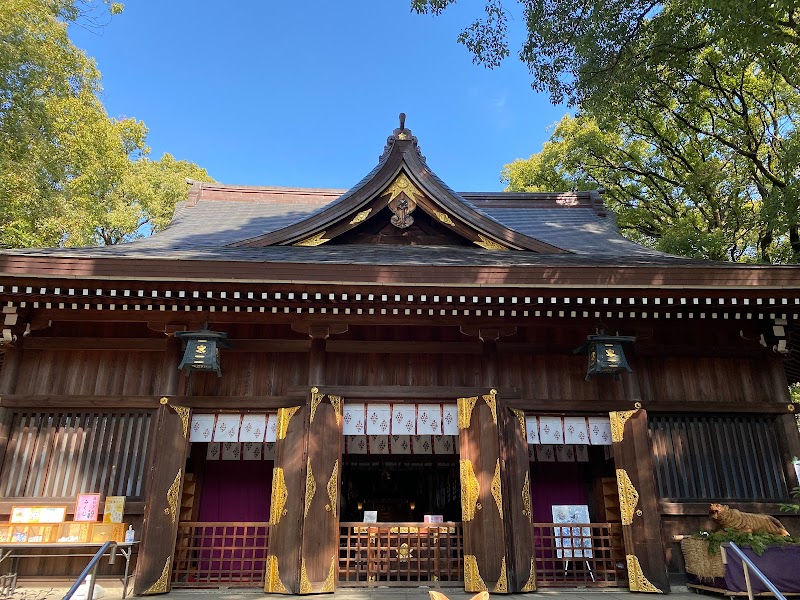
(87, 508)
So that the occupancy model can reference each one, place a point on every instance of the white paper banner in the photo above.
(202, 428)
(354, 419)
(600, 431)
(550, 431)
(565, 453)
(378, 444)
(252, 450)
(582, 453)
(400, 444)
(272, 428)
(575, 430)
(231, 451)
(429, 419)
(379, 419)
(404, 419)
(213, 451)
(421, 444)
(269, 451)
(356, 444)
(545, 453)
(253, 428)
(532, 429)
(443, 444)
(450, 419)
(227, 429)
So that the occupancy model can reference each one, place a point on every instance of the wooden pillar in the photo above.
(304, 536)
(789, 437)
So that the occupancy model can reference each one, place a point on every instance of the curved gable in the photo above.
(400, 188)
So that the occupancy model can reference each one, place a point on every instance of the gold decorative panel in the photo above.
(521, 418)
(284, 416)
(637, 582)
(443, 217)
(465, 406)
(502, 582)
(173, 494)
(311, 487)
(497, 491)
(162, 585)
(305, 584)
(402, 184)
(336, 403)
(526, 497)
(489, 244)
(491, 402)
(618, 420)
(470, 491)
(315, 240)
(472, 577)
(279, 496)
(628, 497)
(273, 582)
(530, 585)
(333, 489)
(316, 398)
(183, 413)
(360, 217)
(330, 582)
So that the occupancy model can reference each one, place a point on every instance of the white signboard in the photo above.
(572, 542)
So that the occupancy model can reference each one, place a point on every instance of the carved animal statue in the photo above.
(731, 518)
(441, 596)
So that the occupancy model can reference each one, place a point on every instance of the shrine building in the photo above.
(301, 390)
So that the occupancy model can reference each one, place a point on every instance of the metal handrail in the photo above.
(91, 571)
(747, 565)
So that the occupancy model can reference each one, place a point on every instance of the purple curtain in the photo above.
(556, 483)
(236, 490)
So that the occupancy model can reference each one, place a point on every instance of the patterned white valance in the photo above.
(240, 451)
(558, 453)
(229, 427)
(401, 444)
(381, 418)
(545, 430)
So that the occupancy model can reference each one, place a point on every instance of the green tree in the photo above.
(69, 174)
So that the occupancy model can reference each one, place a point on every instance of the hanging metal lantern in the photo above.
(606, 356)
(201, 351)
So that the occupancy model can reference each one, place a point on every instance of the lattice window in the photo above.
(717, 458)
(57, 455)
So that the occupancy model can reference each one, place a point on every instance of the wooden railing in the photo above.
(590, 554)
(220, 555)
(401, 554)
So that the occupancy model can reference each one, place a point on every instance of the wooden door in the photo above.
(160, 525)
(481, 495)
(641, 526)
(320, 549)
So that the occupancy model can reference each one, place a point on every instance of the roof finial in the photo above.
(402, 121)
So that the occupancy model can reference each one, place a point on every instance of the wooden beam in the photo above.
(389, 347)
(78, 343)
(105, 402)
(405, 393)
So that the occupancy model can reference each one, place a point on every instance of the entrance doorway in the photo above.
(223, 531)
(401, 521)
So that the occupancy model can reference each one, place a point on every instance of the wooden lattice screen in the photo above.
(58, 455)
(717, 457)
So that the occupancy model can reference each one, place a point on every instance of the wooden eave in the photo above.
(441, 203)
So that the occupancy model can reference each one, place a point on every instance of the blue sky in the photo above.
(305, 93)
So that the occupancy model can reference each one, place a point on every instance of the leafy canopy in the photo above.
(69, 174)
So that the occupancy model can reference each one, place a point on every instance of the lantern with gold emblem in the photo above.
(201, 350)
(606, 356)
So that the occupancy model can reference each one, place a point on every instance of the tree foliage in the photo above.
(69, 174)
(690, 111)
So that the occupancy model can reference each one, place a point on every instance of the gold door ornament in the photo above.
(530, 585)
(330, 583)
(472, 577)
(497, 491)
(316, 398)
(502, 583)
(491, 402)
(305, 584)
(470, 491)
(520, 414)
(637, 582)
(173, 493)
(336, 403)
(526, 497)
(183, 413)
(311, 487)
(333, 489)
(465, 406)
(160, 586)
(284, 416)
(618, 420)
(272, 583)
(279, 496)
(628, 497)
